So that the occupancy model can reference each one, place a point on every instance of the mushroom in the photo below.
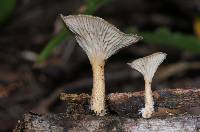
(100, 40)
(147, 66)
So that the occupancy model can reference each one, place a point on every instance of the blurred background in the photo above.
(39, 57)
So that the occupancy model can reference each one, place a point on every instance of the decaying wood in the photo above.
(167, 102)
(65, 122)
(176, 110)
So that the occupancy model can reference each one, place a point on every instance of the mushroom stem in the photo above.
(149, 103)
(98, 91)
(100, 40)
(147, 66)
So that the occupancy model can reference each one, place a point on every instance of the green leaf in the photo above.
(93, 5)
(52, 44)
(164, 36)
(6, 9)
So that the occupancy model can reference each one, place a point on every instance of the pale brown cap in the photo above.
(97, 37)
(149, 64)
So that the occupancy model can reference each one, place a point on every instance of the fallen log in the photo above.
(65, 122)
(175, 110)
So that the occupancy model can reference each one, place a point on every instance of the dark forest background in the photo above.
(39, 57)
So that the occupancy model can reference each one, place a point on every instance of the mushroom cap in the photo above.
(149, 64)
(97, 37)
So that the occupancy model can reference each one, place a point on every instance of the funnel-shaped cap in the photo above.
(149, 64)
(97, 37)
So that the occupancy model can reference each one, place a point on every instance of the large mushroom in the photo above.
(147, 66)
(100, 40)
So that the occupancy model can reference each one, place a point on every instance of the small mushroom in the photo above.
(100, 40)
(147, 66)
